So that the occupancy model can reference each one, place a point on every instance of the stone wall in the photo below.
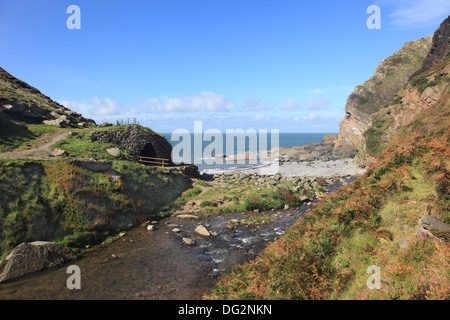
(135, 139)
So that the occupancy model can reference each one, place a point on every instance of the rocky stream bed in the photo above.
(168, 259)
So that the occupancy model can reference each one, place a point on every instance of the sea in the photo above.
(185, 149)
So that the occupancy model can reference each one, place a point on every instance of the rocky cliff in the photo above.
(374, 94)
(360, 130)
(427, 87)
(424, 91)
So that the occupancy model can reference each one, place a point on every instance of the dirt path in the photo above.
(41, 150)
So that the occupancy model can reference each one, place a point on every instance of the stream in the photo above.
(158, 265)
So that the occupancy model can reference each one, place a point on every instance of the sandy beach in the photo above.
(319, 168)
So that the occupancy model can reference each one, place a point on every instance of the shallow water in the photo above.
(157, 264)
(153, 265)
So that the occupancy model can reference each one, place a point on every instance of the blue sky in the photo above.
(261, 64)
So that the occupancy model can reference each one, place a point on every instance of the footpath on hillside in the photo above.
(41, 150)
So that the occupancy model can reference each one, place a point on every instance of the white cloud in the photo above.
(104, 107)
(317, 104)
(314, 121)
(134, 110)
(290, 105)
(167, 113)
(417, 13)
(260, 116)
(252, 104)
(206, 101)
(95, 106)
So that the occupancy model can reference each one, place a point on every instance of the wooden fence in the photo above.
(122, 122)
(155, 161)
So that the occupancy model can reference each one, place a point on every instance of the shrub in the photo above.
(397, 100)
(321, 181)
(208, 203)
(255, 202)
(421, 82)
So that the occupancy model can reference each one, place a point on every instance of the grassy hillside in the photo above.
(79, 145)
(372, 221)
(56, 200)
(52, 199)
(24, 109)
(12, 89)
(18, 136)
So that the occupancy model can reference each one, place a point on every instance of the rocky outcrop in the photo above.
(138, 140)
(19, 109)
(424, 91)
(440, 47)
(31, 257)
(430, 222)
(433, 226)
(377, 92)
(190, 170)
(24, 103)
(329, 138)
(31, 113)
(317, 151)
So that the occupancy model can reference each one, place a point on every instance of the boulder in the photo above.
(53, 115)
(201, 230)
(105, 125)
(188, 241)
(115, 152)
(58, 152)
(60, 122)
(432, 226)
(31, 257)
(430, 222)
